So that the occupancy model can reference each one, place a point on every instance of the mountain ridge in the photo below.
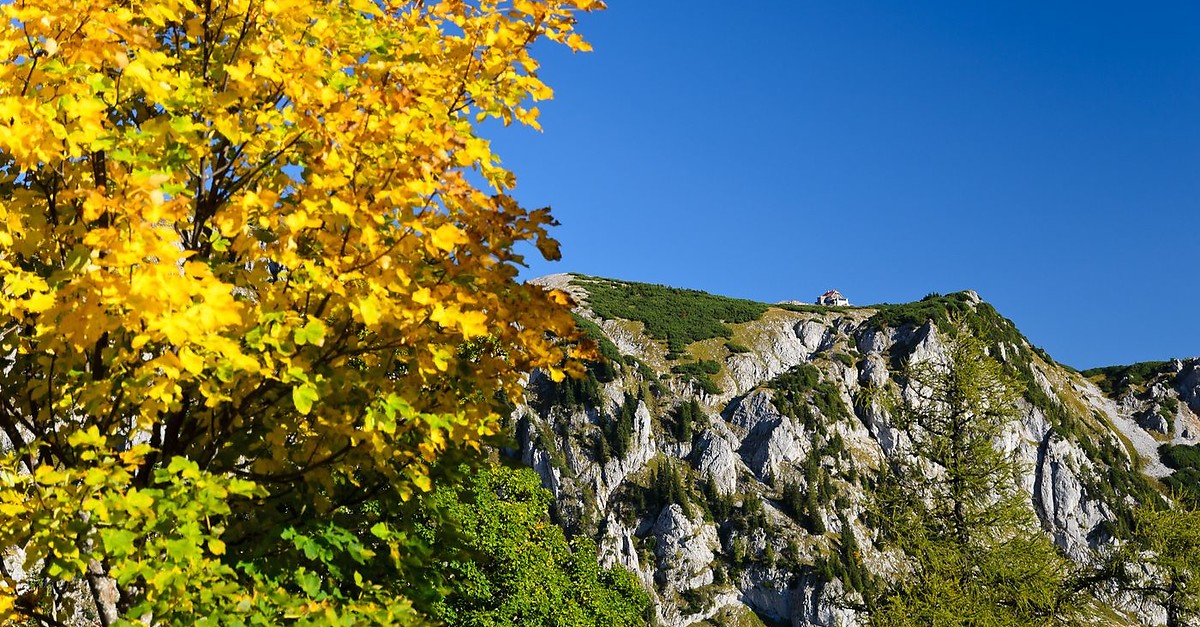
(562, 281)
(674, 503)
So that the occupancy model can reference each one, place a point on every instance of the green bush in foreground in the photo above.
(515, 566)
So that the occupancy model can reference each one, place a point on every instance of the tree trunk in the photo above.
(104, 593)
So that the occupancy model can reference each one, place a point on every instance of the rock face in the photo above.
(717, 460)
(1188, 383)
(1063, 501)
(702, 512)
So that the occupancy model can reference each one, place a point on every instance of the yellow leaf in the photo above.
(239, 71)
(447, 236)
(441, 359)
(216, 547)
(366, 6)
(191, 362)
(38, 303)
(473, 324)
(264, 222)
(368, 311)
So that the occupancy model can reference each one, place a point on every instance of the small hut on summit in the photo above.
(833, 298)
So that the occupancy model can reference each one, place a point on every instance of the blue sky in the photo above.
(1045, 154)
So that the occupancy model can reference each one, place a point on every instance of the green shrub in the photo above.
(734, 347)
(940, 309)
(844, 359)
(697, 368)
(707, 385)
(678, 316)
(1185, 483)
(1180, 456)
(502, 556)
(1116, 380)
(800, 387)
(646, 372)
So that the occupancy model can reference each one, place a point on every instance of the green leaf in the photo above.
(117, 542)
(309, 583)
(311, 333)
(381, 531)
(303, 397)
(182, 125)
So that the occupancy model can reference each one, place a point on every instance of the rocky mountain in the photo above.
(725, 451)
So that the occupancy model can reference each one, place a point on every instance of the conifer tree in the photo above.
(1161, 565)
(951, 504)
(685, 416)
(812, 508)
(623, 430)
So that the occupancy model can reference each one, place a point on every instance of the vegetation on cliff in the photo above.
(677, 316)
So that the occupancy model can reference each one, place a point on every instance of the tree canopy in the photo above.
(258, 266)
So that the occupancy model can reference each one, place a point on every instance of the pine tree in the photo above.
(686, 414)
(951, 504)
(624, 427)
(567, 393)
(719, 504)
(1168, 542)
(811, 518)
(851, 557)
(590, 389)
(602, 451)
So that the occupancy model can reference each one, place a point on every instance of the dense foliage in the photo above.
(1117, 380)
(801, 390)
(678, 316)
(511, 565)
(1184, 459)
(258, 269)
(942, 310)
(1160, 564)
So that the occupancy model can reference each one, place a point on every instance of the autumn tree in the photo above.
(949, 502)
(258, 267)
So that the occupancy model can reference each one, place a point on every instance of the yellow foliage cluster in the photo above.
(265, 236)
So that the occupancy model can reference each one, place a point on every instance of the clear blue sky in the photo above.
(1045, 154)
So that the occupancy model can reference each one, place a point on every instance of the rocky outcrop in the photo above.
(1187, 382)
(1073, 518)
(770, 441)
(717, 460)
(684, 549)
